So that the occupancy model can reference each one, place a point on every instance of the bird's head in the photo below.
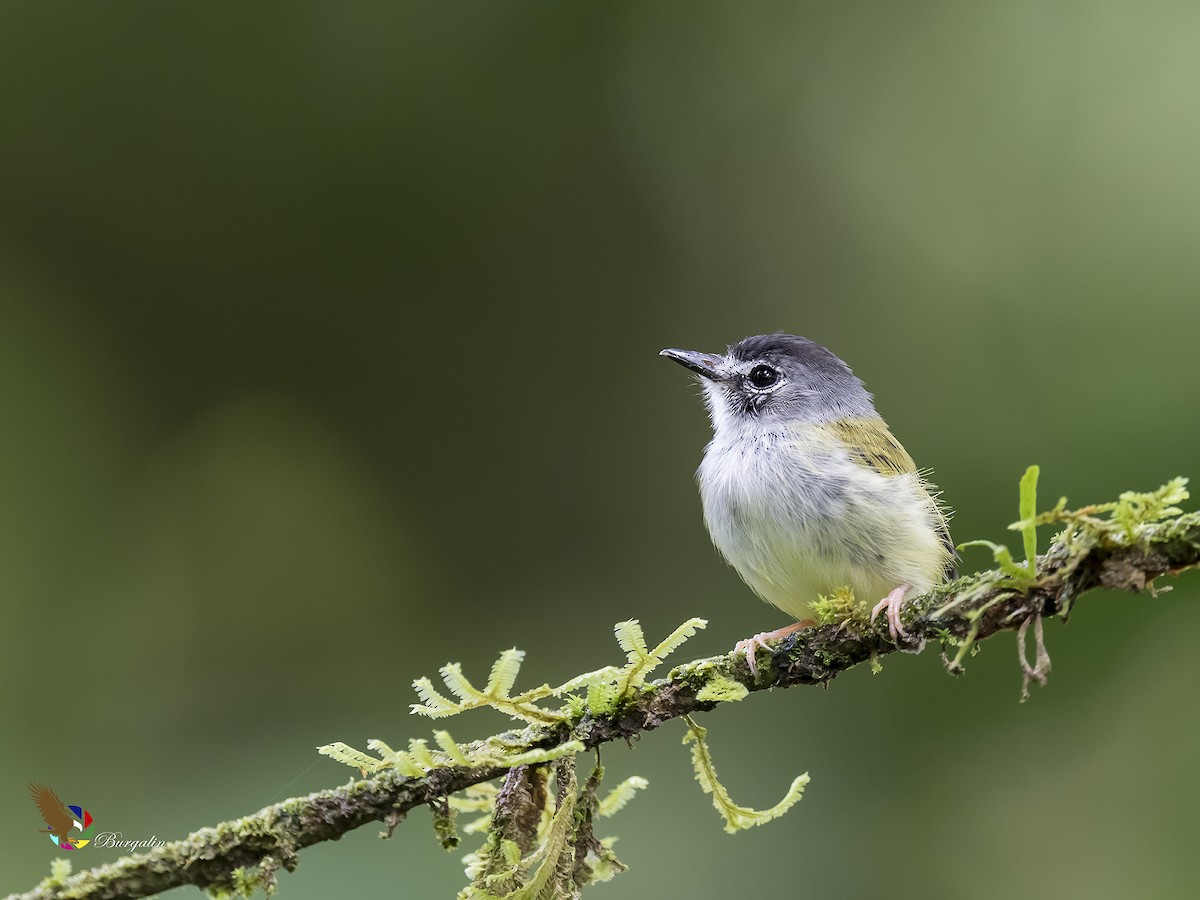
(772, 379)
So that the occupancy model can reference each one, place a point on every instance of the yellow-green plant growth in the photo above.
(556, 854)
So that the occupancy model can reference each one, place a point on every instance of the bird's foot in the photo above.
(751, 645)
(891, 606)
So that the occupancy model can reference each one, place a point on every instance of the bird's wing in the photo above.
(872, 446)
(56, 815)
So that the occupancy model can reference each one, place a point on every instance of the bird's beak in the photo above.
(704, 364)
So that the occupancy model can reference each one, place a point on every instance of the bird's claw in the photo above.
(752, 644)
(890, 605)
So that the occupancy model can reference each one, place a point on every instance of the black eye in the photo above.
(763, 377)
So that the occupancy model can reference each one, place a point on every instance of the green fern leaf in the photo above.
(476, 798)
(452, 750)
(407, 764)
(616, 799)
(504, 673)
(458, 684)
(736, 817)
(418, 749)
(556, 845)
(381, 748)
(602, 697)
(673, 641)
(435, 704)
(606, 866)
(534, 757)
(631, 638)
(347, 755)
(475, 826)
(587, 679)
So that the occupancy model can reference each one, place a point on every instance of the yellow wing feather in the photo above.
(872, 446)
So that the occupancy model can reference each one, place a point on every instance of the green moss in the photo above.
(444, 824)
(839, 608)
(720, 689)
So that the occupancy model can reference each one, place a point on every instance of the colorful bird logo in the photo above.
(60, 818)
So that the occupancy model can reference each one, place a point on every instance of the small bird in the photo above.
(805, 489)
(58, 818)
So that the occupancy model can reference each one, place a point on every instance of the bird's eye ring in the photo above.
(762, 377)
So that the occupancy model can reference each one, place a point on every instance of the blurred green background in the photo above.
(328, 354)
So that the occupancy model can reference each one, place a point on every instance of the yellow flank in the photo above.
(802, 510)
(869, 443)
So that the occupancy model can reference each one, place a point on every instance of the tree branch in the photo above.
(966, 610)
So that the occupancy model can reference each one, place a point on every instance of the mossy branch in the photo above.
(1142, 538)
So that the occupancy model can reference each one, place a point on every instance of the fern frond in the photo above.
(406, 764)
(510, 853)
(381, 748)
(526, 699)
(483, 823)
(608, 673)
(458, 683)
(1134, 508)
(546, 857)
(736, 817)
(476, 798)
(435, 704)
(614, 801)
(504, 673)
(538, 693)
(418, 749)
(347, 755)
(527, 712)
(606, 865)
(631, 638)
(602, 696)
(534, 757)
(642, 661)
(672, 642)
(452, 750)
(496, 695)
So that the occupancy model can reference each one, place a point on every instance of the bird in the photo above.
(805, 489)
(58, 818)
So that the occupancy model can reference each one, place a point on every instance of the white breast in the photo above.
(797, 517)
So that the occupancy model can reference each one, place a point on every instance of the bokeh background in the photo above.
(328, 354)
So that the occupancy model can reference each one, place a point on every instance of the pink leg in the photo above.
(751, 645)
(891, 605)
